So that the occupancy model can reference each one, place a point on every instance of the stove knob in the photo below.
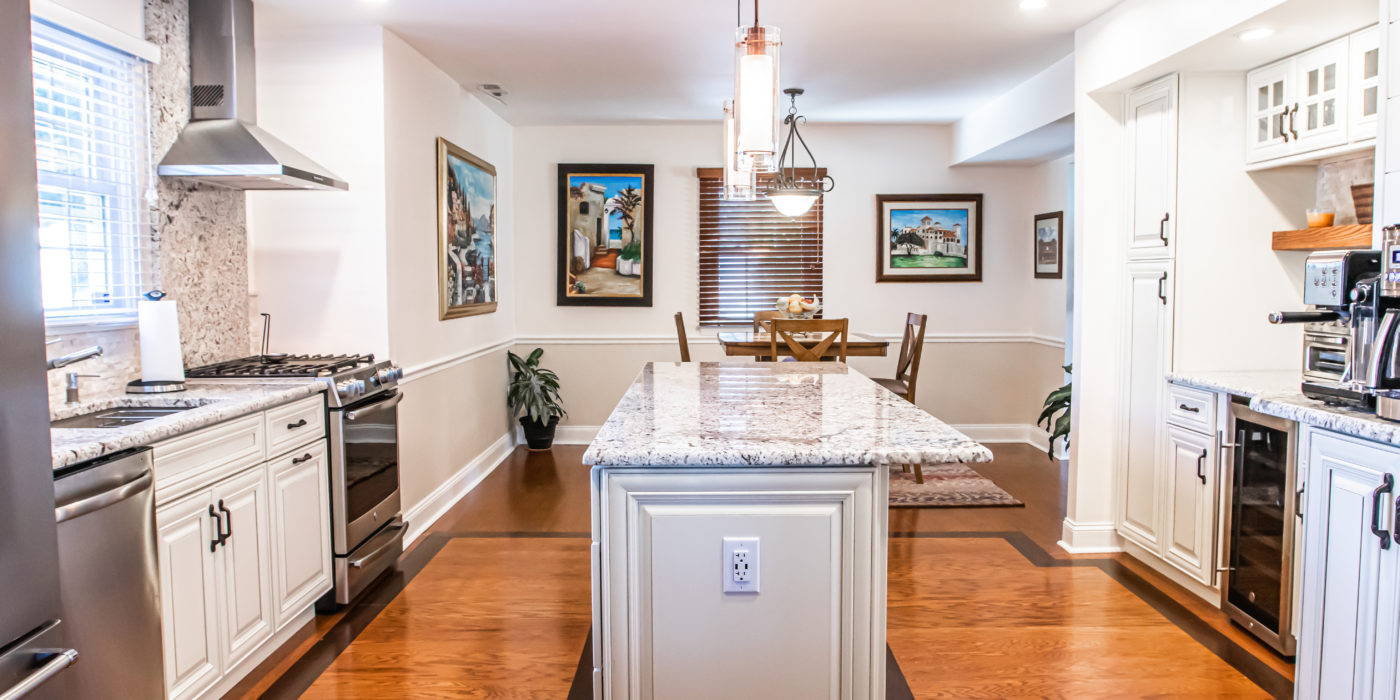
(386, 375)
(396, 373)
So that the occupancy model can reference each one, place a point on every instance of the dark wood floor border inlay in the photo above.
(1229, 651)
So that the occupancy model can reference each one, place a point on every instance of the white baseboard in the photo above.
(994, 433)
(1089, 538)
(427, 511)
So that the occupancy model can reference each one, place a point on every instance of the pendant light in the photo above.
(740, 181)
(756, 95)
(792, 194)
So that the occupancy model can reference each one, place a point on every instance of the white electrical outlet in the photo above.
(740, 565)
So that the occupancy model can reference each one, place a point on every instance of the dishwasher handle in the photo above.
(83, 506)
(41, 675)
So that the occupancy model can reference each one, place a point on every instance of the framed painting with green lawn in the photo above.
(605, 235)
(928, 238)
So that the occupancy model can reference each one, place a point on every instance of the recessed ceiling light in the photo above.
(1033, 4)
(1255, 34)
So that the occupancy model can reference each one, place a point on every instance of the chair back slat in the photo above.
(911, 348)
(680, 336)
(760, 316)
(788, 330)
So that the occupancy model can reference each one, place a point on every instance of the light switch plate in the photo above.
(740, 565)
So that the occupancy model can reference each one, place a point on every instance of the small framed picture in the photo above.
(928, 238)
(1049, 251)
(605, 235)
(466, 209)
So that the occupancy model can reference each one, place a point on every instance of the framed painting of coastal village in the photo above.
(466, 202)
(605, 215)
(928, 238)
(1049, 252)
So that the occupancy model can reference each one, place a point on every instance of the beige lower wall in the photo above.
(963, 383)
(447, 419)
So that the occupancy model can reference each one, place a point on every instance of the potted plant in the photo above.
(1057, 402)
(533, 395)
(629, 261)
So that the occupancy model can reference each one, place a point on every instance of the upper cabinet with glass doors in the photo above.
(1320, 101)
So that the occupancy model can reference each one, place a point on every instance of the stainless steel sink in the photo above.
(118, 417)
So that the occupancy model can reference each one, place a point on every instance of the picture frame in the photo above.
(605, 234)
(928, 238)
(466, 184)
(1047, 241)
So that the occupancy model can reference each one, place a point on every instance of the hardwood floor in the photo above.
(494, 602)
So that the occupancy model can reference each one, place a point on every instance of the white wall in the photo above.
(1002, 384)
(1045, 98)
(125, 16)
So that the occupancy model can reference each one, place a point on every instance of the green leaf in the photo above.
(535, 357)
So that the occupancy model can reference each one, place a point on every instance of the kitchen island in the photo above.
(739, 522)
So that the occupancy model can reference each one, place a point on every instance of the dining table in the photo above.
(759, 344)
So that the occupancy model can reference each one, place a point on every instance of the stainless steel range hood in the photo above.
(223, 145)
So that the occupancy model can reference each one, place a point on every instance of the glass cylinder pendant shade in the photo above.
(756, 97)
(740, 183)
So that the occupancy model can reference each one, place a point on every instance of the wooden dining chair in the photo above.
(760, 326)
(906, 371)
(680, 336)
(789, 328)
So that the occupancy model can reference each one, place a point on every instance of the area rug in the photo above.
(946, 486)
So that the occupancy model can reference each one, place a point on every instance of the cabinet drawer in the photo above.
(202, 457)
(295, 424)
(1191, 408)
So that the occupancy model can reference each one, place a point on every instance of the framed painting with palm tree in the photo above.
(605, 235)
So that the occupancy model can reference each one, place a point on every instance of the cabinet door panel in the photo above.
(1152, 126)
(1319, 118)
(1365, 86)
(1140, 431)
(1190, 464)
(1346, 572)
(301, 529)
(188, 595)
(246, 562)
(1269, 101)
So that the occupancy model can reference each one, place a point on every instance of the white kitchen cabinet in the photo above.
(1365, 83)
(1146, 359)
(1190, 482)
(1151, 112)
(245, 563)
(1319, 116)
(1347, 634)
(1269, 94)
(188, 594)
(301, 527)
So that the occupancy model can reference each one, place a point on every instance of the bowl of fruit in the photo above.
(794, 306)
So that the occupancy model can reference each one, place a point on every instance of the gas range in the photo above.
(350, 378)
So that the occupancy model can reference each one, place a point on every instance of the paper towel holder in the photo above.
(138, 386)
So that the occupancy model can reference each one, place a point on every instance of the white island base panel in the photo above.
(665, 628)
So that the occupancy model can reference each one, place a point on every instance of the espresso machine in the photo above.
(1382, 367)
(1333, 340)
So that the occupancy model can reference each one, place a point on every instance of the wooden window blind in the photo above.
(750, 254)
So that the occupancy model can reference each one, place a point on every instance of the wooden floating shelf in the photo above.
(1324, 238)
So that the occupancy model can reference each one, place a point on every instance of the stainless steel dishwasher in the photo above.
(108, 583)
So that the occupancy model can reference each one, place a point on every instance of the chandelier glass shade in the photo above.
(756, 96)
(740, 181)
(795, 189)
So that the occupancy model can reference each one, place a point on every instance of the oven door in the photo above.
(364, 469)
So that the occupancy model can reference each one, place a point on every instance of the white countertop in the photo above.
(214, 401)
(770, 414)
(1279, 394)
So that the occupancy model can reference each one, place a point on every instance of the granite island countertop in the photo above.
(1278, 394)
(770, 414)
(213, 402)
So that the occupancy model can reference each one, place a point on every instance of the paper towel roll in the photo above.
(160, 342)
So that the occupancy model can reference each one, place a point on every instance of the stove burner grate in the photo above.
(280, 366)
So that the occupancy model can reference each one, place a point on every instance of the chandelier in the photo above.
(795, 190)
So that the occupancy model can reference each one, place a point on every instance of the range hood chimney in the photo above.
(223, 145)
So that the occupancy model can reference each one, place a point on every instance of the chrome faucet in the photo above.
(75, 356)
(71, 384)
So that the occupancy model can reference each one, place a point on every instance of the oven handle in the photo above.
(390, 535)
(390, 402)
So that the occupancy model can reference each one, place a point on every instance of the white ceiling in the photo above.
(611, 61)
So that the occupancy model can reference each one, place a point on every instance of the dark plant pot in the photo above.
(539, 437)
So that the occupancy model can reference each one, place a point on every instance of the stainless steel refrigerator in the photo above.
(32, 654)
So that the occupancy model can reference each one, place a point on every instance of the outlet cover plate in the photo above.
(740, 565)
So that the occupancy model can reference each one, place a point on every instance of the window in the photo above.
(750, 254)
(90, 106)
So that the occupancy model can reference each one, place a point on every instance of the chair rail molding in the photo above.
(431, 367)
(706, 337)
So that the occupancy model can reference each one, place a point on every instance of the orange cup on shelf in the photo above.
(1319, 218)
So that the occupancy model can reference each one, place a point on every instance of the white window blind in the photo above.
(90, 110)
